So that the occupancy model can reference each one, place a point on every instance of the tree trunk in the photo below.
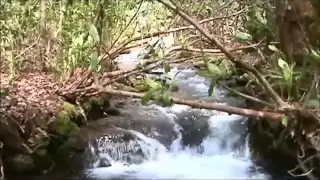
(296, 20)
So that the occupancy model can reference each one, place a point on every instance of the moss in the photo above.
(64, 124)
(69, 109)
(63, 128)
(92, 102)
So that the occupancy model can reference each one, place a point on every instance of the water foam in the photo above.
(223, 155)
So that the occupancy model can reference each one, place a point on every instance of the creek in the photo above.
(197, 143)
(222, 154)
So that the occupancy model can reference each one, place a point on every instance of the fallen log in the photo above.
(201, 104)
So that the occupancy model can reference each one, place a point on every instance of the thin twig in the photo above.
(303, 167)
(127, 25)
(246, 96)
(22, 53)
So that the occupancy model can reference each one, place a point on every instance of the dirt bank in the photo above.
(35, 121)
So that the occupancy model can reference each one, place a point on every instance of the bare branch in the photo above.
(198, 104)
(229, 55)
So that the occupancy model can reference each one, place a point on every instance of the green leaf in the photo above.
(94, 62)
(286, 70)
(152, 83)
(282, 64)
(94, 32)
(212, 85)
(147, 96)
(287, 74)
(78, 41)
(273, 48)
(243, 37)
(166, 97)
(284, 120)
(204, 73)
(315, 56)
(213, 69)
(260, 18)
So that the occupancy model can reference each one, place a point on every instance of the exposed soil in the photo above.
(29, 103)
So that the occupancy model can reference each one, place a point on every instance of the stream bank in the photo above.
(144, 135)
(36, 123)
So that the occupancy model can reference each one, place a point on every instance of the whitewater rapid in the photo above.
(225, 152)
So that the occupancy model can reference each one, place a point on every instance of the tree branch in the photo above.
(229, 55)
(198, 104)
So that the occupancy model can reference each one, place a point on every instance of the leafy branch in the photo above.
(228, 54)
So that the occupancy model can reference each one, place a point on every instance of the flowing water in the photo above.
(223, 154)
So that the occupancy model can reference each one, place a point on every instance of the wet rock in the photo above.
(88, 147)
(103, 162)
(20, 163)
(111, 138)
(195, 127)
(121, 148)
(147, 120)
(80, 150)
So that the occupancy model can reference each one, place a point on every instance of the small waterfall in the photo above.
(224, 154)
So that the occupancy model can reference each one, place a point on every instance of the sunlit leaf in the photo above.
(147, 96)
(204, 73)
(212, 85)
(287, 74)
(152, 83)
(93, 32)
(273, 48)
(141, 87)
(94, 62)
(315, 56)
(78, 40)
(260, 18)
(286, 70)
(241, 36)
(213, 69)
(282, 64)
(167, 98)
(292, 133)
(284, 120)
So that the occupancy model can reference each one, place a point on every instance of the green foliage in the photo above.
(215, 72)
(245, 37)
(162, 90)
(315, 57)
(74, 33)
(285, 77)
(257, 24)
(284, 120)
(292, 80)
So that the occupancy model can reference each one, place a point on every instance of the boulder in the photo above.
(19, 163)
(195, 127)
(147, 120)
